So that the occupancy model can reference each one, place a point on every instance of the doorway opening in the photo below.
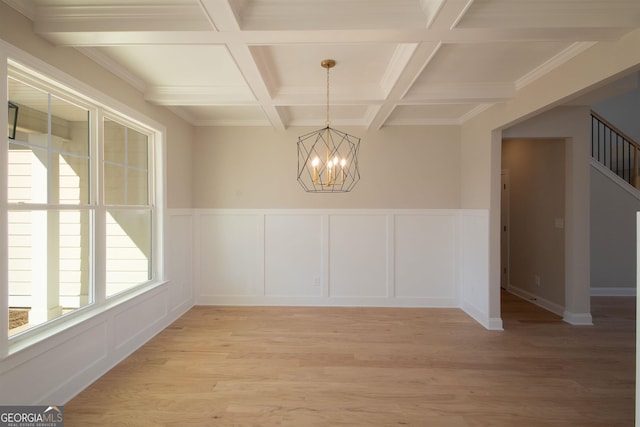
(532, 221)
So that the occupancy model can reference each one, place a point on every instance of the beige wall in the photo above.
(613, 232)
(408, 167)
(17, 30)
(535, 170)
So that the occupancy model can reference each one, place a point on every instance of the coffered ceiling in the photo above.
(399, 62)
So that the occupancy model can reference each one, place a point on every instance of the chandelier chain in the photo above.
(328, 122)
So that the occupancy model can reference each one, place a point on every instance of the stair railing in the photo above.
(614, 149)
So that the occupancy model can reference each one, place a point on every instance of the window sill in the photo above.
(84, 316)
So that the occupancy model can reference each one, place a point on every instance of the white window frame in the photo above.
(100, 106)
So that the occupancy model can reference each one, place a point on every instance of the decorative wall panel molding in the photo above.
(362, 257)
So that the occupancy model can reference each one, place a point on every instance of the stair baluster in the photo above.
(614, 149)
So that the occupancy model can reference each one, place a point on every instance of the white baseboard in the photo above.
(577, 318)
(539, 301)
(613, 292)
(495, 324)
(567, 316)
(248, 300)
(490, 323)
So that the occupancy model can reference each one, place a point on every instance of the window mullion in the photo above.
(4, 240)
(99, 282)
(49, 152)
(126, 165)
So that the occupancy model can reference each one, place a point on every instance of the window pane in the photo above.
(48, 164)
(33, 110)
(137, 188)
(126, 173)
(114, 184)
(137, 149)
(73, 180)
(128, 249)
(114, 142)
(27, 174)
(69, 127)
(49, 257)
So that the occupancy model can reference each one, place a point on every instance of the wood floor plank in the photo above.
(313, 366)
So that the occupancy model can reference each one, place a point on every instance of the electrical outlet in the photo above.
(537, 280)
(316, 281)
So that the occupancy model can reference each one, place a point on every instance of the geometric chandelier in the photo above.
(328, 158)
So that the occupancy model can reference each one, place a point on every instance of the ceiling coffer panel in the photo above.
(296, 15)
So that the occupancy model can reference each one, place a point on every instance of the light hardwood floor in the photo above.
(286, 366)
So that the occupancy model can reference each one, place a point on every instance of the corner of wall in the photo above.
(578, 319)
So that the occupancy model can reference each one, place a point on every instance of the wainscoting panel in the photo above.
(179, 257)
(358, 256)
(425, 257)
(231, 247)
(64, 360)
(293, 255)
(133, 322)
(335, 257)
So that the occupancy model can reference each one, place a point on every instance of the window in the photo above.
(126, 195)
(82, 221)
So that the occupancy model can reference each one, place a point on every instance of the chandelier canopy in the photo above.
(327, 157)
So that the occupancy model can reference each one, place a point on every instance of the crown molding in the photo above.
(461, 92)
(423, 122)
(474, 112)
(107, 62)
(231, 123)
(567, 54)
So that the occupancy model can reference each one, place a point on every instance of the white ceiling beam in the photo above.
(121, 17)
(69, 36)
(422, 55)
(443, 17)
(449, 14)
(340, 95)
(222, 16)
(397, 66)
(200, 95)
(251, 73)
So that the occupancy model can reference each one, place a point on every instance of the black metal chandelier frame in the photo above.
(327, 157)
